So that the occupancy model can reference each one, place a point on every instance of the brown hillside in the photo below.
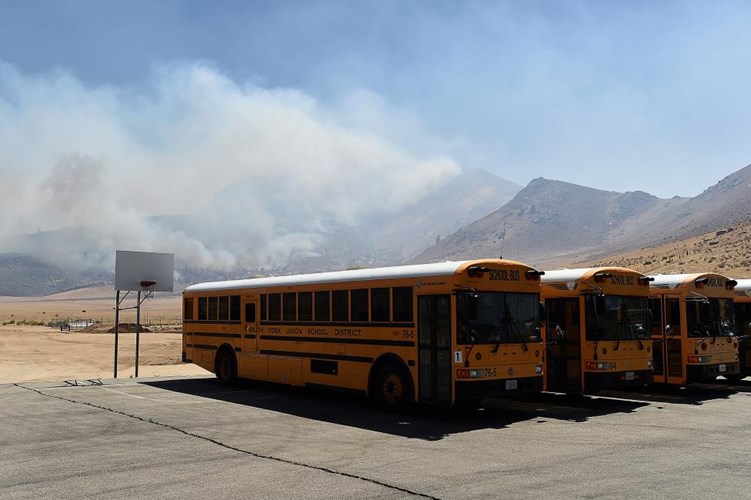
(726, 251)
(552, 222)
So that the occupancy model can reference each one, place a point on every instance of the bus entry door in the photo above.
(563, 345)
(434, 337)
(250, 325)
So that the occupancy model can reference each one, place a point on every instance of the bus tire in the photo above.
(392, 389)
(226, 366)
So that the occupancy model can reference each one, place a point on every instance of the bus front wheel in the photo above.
(392, 389)
(226, 367)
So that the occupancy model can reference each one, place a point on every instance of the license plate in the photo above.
(629, 375)
(723, 368)
(511, 384)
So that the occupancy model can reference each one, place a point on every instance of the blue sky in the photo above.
(616, 95)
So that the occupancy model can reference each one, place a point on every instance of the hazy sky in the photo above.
(142, 97)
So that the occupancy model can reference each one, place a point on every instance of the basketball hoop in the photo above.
(147, 286)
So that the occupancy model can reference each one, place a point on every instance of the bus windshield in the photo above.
(497, 318)
(615, 317)
(710, 318)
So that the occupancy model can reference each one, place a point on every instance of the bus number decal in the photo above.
(408, 334)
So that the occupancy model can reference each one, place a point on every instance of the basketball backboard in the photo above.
(138, 271)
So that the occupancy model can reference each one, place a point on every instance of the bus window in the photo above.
(234, 308)
(213, 308)
(401, 298)
(263, 307)
(359, 305)
(250, 312)
(289, 306)
(655, 316)
(497, 318)
(340, 305)
(223, 308)
(379, 304)
(305, 306)
(275, 307)
(188, 309)
(203, 308)
(615, 317)
(323, 306)
(710, 318)
(673, 313)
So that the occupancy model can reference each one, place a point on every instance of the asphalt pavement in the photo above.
(193, 438)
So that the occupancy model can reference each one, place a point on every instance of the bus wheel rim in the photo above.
(392, 388)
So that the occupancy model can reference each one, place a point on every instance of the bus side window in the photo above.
(359, 305)
(223, 308)
(188, 308)
(401, 298)
(305, 306)
(340, 305)
(323, 306)
(250, 312)
(203, 308)
(213, 308)
(234, 308)
(379, 304)
(275, 307)
(289, 306)
(264, 300)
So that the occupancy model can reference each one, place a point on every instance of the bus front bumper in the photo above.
(466, 390)
(594, 381)
(699, 373)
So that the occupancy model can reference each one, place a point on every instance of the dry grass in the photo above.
(30, 350)
(726, 252)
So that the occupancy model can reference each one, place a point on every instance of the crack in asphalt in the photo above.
(230, 447)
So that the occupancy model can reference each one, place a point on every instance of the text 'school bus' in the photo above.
(743, 327)
(597, 329)
(441, 333)
(693, 331)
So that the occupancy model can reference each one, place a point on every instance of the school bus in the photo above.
(743, 327)
(692, 327)
(447, 333)
(596, 332)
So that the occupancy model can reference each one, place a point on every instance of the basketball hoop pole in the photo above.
(118, 301)
(138, 327)
(145, 285)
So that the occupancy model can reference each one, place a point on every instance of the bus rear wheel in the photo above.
(392, 390)
(226, 367)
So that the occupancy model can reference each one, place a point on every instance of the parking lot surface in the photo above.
(191, 438)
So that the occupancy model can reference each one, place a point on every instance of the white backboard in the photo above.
(133, 268)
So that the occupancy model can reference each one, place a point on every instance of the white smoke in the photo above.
(257, 169)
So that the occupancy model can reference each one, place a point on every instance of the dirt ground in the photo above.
(30, 351)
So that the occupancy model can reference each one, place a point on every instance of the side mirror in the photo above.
(668, 330)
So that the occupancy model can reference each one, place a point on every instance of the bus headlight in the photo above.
(650, 363)
(538, 369)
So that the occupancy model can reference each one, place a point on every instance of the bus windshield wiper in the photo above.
(509, 323)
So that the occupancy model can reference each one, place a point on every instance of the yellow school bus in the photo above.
(596, 332)
(692, 327)
(446, 333)
(743, 327)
